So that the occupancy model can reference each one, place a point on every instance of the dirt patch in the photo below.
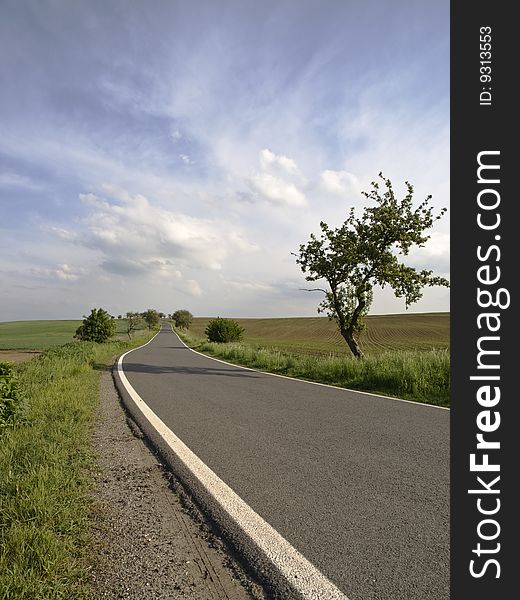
(18, 356)
(149, 540)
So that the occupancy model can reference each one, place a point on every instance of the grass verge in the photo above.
(411, 375)
(45, 467)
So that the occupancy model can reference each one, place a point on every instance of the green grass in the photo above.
(320, 337)
(41, 335)
(45, 474)
(410, 374)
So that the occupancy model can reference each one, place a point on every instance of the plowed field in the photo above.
(318, 335)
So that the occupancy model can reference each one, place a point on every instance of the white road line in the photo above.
(301, 574)
(327, 385)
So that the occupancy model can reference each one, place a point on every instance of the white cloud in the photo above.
(269, 159)
(279, 191)
(279, 180)
(135, 237)
(64, 272)
(59, 232)
(68, 273)
(339, 182)
(435, 254)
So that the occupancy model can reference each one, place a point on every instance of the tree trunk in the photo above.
(352, 343)
(347, 331)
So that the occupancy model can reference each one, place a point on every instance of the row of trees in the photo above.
(134, 320)
(100, 326)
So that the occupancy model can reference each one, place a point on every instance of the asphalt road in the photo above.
(358, 484)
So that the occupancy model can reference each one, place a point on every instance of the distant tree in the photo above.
(99, 326)
(151, 318)
(364, 252)
(182, 318)
(119, 316)
(224, 330)
(133, 321)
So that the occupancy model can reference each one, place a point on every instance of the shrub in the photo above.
(99, 326)
(182, 318)
(224, 330)
(12, 405)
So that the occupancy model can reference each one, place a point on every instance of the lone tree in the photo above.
(99, 326)
(151, 318)
(364, 252)
(182, 318)
(133, 320)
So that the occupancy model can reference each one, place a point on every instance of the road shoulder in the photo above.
(148, 539)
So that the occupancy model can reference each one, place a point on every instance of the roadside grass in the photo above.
(41, 335)
(421, 376)
(45, 473)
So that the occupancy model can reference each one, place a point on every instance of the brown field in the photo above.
(17, 356)
(318, 335)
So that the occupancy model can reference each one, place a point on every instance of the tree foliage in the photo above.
(99, 327)
(151, 318)
(365, 251)
(182, 318)
(224, 330)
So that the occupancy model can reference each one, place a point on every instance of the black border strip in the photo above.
(477, 126)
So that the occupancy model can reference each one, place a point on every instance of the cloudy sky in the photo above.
(173, 153)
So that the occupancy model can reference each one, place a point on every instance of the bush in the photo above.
(98, 327)
(182, 318)
(12, 405)
(224, 330)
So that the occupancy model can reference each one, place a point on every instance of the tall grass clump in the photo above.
(13, 405)
(414, 375)
(45, 467)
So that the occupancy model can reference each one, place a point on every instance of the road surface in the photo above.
(357, 483)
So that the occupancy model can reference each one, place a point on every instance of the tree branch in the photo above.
(313, 290)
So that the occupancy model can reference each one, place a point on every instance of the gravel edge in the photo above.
(148, 538)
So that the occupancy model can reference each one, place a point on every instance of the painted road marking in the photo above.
(297, 570)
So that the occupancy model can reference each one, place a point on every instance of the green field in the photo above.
(36, 335)
(41, 335)
(319, 336)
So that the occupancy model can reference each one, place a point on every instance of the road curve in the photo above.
(356, 483)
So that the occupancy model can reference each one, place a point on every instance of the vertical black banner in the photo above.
(485, 263)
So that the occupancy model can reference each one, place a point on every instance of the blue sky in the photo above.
(172, 154)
